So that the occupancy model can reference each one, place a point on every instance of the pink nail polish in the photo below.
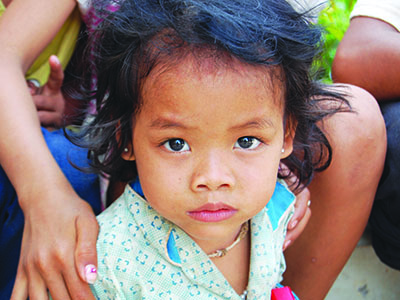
(90, 274)
(55, 59)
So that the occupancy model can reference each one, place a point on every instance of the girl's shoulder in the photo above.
(281, 205)
(117, 217)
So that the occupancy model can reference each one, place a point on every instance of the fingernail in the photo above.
(293, 224)
(55, 59)
(90, 274)
(286, 244)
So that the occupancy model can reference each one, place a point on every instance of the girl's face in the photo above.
(207, 144)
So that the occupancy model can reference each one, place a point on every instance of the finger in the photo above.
(32, 90)
(33, 87)
(57, 287)
(56, 77)
(20, 290)
(50, 118)
(292, 235)
(300, 208)
(54, 271)
(44, 102)
(87, 230)
(77, 289)
(37, 287)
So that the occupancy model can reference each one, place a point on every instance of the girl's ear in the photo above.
(290, 131)
(127, 152)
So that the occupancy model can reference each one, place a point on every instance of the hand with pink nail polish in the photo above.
(58, 252)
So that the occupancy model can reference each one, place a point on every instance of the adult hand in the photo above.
(49, 101)
(302, 212)
(299, 219)
(58, 250)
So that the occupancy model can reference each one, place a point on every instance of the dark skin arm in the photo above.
(369, 57)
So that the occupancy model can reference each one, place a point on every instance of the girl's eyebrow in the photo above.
(257, 123)
(164, 123)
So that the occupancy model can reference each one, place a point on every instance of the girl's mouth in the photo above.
(212, 212)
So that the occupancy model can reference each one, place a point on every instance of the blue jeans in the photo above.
(11, 216)
(385, 216)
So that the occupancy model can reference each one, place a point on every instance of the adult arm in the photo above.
(60, 229)
(369, 56)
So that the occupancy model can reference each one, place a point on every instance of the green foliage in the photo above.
(335, 20)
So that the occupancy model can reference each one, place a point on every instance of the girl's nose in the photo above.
(212, 173)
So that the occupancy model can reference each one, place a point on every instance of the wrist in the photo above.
(42, 185)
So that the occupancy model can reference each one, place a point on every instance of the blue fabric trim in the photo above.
(135, 185)
(279, 203)
(172, 251)
(295, 296)
(171, 247)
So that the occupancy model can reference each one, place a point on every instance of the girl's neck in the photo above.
(235, 265)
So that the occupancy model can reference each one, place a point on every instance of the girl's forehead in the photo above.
(211, 69)
(202, 93)
(216, 99)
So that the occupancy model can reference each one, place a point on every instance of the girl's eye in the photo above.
(176, 145)
(247, 142)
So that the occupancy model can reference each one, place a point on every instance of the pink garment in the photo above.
(283, 293)
(92, 16)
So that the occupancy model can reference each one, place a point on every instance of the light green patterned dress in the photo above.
(144, 256)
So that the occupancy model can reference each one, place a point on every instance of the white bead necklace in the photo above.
(241, 235)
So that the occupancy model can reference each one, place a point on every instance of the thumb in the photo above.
(87, 230)
(56, 76)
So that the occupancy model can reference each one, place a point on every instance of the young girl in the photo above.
(46, 197)
(198, 103)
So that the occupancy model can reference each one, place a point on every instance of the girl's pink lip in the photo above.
(212, 212)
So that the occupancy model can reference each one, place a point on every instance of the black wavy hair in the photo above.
(130, 42)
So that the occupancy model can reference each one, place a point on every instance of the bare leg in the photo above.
(341, 196)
